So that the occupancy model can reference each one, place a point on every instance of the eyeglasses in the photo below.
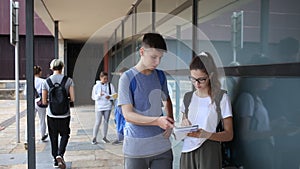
(200, 80)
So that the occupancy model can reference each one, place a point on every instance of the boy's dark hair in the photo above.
(102, 74)
(154, 40)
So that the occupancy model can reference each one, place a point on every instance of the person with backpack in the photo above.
(256, 135)
(142, 94)
(119, 118)
(206, 107)
(39, 108)
(58, 93)
(103, 94)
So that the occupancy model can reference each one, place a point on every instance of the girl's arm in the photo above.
(226, 135)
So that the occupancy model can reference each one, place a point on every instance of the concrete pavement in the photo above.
(80, 153)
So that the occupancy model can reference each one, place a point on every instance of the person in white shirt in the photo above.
(102, 93)
(41, 110)
(202, 148)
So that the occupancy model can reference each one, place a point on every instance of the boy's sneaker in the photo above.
(104, 140)
(61, 163)
(44, 137)
(55, 163)
(116, 142)
(94, 141)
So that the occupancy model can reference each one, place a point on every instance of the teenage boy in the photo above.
(58, 124)
(142, 93)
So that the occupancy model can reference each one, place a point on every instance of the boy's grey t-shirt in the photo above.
(56, 78)
(141, 141)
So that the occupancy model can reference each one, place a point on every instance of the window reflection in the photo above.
(267, 118)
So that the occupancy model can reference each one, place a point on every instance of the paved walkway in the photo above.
(80, 152)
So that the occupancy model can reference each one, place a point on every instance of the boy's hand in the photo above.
(165, 122)
(167, 133)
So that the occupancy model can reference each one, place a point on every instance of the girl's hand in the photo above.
(200, 133)
(185, 122)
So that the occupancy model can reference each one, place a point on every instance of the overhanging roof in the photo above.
(79, 19)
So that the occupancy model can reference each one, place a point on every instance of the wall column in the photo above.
(56, 40)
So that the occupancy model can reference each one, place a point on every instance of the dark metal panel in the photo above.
(43, 53)
(272, 70)
(31, 158)
(195, 26)
(56, 39)
(40, 27)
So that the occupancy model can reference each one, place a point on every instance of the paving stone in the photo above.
(80, 153)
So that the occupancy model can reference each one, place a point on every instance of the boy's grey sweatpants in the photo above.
(164, 160)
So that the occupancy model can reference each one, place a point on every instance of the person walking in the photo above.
(201, 148)
(103, 94)
(142, 93)
(58, 122)
(39, 108)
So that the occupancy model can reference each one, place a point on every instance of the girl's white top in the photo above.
(203, 113)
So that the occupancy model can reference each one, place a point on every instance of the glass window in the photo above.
(128, 27)
(271, 110)
(111, 42)
(144, 16)
(281, 28)
(167, 6)
(119, 34)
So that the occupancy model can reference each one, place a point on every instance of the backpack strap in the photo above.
(186, 101)
(49, 82)
(109, 89)
(109, 92)
(188, 97)
(132, 85)
(217, 100)
(161, 76)
(64, 81)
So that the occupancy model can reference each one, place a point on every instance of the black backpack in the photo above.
(58, 97)
(226, 146)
